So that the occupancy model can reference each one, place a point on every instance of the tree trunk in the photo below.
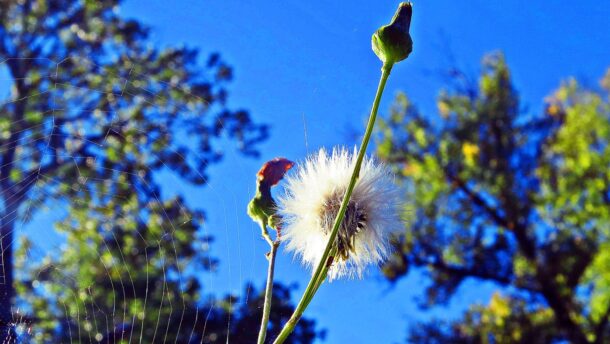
(7, 288)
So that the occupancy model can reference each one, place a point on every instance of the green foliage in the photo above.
(117, 277)
(503, 320)
(131, 272)
(516, 199)
(122, 281)
(95, 114)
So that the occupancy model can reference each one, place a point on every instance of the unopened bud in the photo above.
(273, 170)
(392, 43)
(262, 207)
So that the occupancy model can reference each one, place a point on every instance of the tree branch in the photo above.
(462, 271)
(600, 328)
(13, 141)
(31, 176)
(560, 304)
(520, 231)
(17, 71)
(478, 200)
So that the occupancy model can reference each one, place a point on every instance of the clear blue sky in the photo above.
(307, 69)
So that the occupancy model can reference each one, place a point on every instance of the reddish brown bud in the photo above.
(273, 170)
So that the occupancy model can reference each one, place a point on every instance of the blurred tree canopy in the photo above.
(95, 113)
(523, 201)
(125, 277)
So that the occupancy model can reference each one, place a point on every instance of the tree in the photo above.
(130, 272)
(94, 114)
(495, 194)
(121, 280)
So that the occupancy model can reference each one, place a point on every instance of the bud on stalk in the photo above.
(392, 43)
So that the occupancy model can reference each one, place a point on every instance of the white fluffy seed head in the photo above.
(311, 202)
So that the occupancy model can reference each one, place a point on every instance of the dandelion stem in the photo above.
(265, 233)
(268, 293)
(322, 268)
(322, 277)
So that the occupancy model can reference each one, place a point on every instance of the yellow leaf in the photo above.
(470, 152)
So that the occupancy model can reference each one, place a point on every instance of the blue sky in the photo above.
(308, 70)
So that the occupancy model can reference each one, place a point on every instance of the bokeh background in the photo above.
(306, 70)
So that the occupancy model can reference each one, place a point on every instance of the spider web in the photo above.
(46, 244)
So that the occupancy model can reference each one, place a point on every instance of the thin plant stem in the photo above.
(265, 233)
(322, 277)
(322, 267)
(268, 292)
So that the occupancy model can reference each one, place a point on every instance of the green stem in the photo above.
(265, 233)
(268, 293)
(322, 277)
(322, 267)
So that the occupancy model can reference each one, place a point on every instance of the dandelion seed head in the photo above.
(312, 200)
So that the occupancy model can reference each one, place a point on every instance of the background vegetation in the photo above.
(496, 194)
(95, 114)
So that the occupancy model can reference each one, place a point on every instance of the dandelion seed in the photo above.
(313, 198)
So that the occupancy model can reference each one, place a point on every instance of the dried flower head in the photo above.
(313, 198)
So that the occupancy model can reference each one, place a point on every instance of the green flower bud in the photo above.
(392, 43)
